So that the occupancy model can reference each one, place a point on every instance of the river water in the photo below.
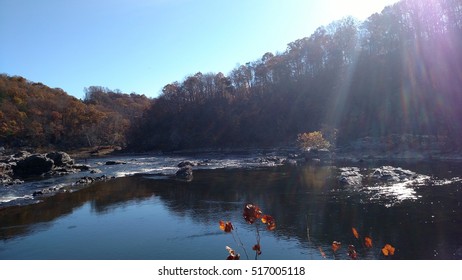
(143, 215)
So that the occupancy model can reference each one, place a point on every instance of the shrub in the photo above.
(313, 139)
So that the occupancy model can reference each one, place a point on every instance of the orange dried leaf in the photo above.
(368, 242)
(257, 248)
(388, 250)
(269, 221)
(251, 213)
(226, 226)
(336, 245)
(232, 255)
(355, 232)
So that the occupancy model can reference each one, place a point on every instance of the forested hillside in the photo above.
(398, 72)
(34, 115)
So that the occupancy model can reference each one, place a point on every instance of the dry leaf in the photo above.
(355, 232)
(257, 248)
(251, 213)
(226, 227)
(368, 242)
(336, 245)
(269, 221)
(232, 255)
(388, 250)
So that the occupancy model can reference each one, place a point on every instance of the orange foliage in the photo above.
(368, 242)
(355, 232)
(336, 245)
(232, 255)
(388, 250)
(257, 249)
(251, 213)
(269, 221)
(226, 227)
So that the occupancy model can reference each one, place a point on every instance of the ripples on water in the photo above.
(142, 217)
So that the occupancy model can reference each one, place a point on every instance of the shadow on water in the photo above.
(310, 207)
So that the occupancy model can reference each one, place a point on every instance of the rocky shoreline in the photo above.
(21, 167)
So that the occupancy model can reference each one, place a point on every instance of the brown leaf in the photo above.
(257, 248)
(232, 255)
(226, 226)
(269, 221)
(388, 250)
(251, 213)
(368, 242)
(336, 245)
(355, 232)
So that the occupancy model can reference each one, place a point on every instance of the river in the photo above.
(144, 213)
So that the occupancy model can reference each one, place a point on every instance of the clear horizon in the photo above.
(140, 46)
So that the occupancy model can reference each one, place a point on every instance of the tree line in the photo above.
(398, 72)
(37, 116)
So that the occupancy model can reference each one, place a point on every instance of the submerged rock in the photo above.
(186, 163)
(115, 162)
(319, 155)
(350, 176)
(392, 174)
(185, 173)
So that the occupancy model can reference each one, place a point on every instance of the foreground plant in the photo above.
(251, 214)
(366, 243)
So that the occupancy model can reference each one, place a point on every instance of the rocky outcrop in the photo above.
(33, 165)
(318, 155)
(23, 165)
(393, 174)
(384, 175)
(350, 176)
(186, 163)
(185, 173)
(60, 159)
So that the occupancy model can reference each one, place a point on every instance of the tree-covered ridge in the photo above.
(398, 72)
(35, 115)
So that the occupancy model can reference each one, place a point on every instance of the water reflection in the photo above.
(311, 209)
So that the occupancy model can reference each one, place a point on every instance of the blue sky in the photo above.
(141, 45)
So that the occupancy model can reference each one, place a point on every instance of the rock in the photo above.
(60, 159)
(185, 173)
(114, 162)
(33, 165)
(186, 163)
(393, 174)
(45, 191)
(290, 162)
(61, 171)
(320, 154)
(95, 170)
(85, 180)
(350, 176)
(81, 167)
(88, 180)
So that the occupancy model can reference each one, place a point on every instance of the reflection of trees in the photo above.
(297, 198)
(17, 220)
